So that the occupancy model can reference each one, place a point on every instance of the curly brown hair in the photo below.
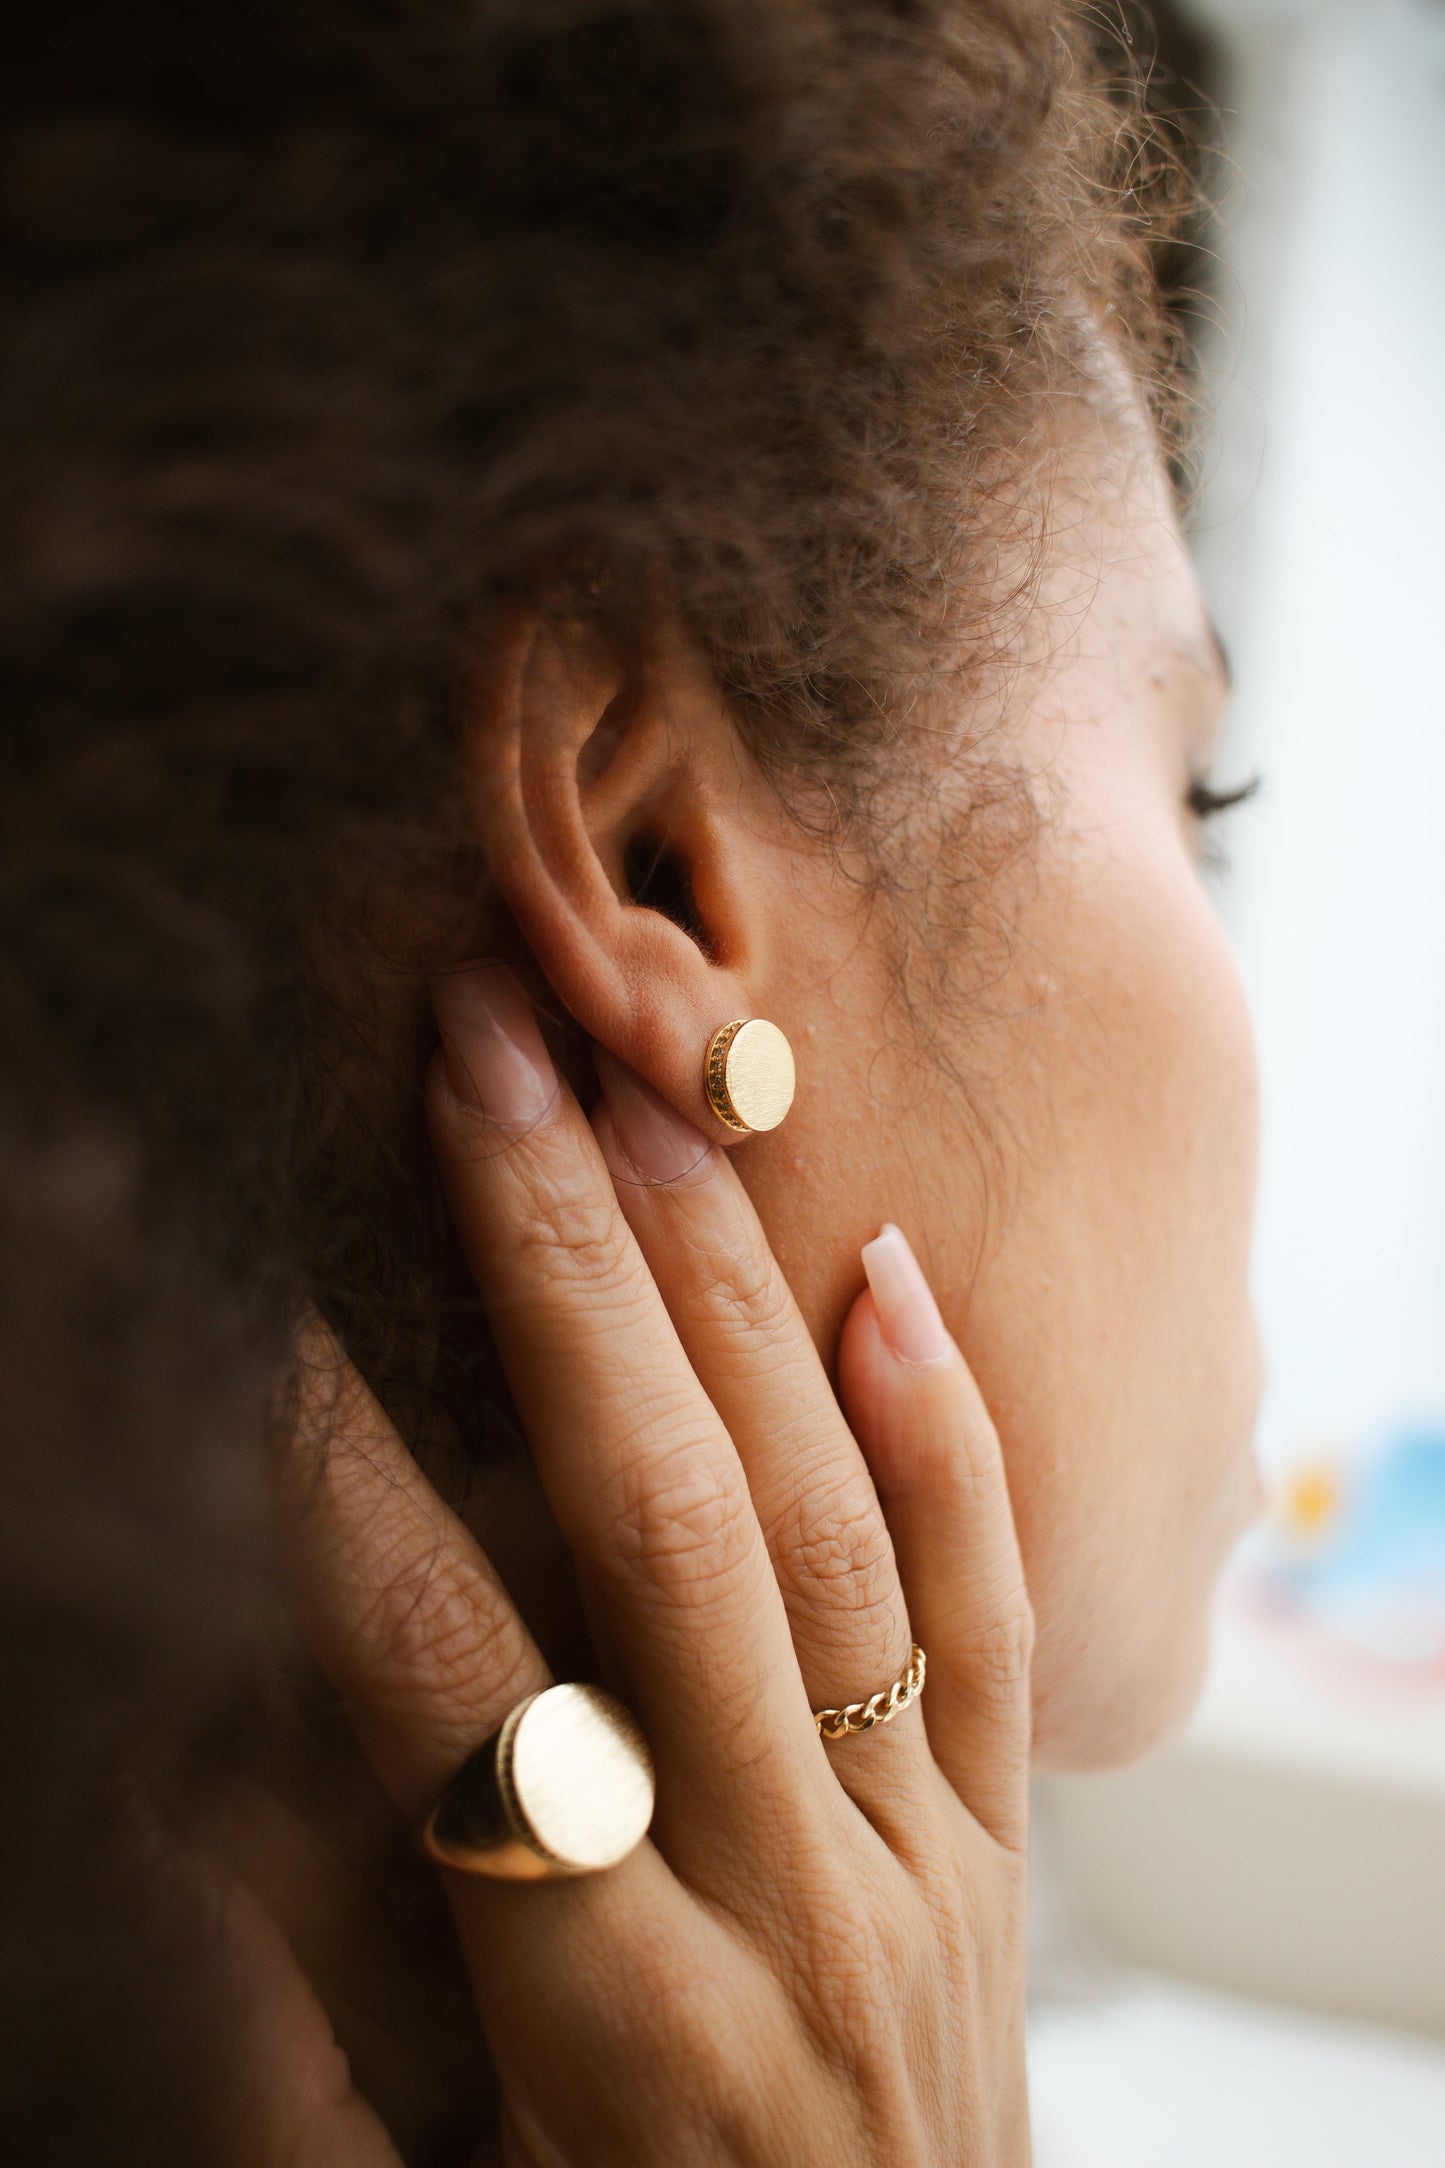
(326, 321)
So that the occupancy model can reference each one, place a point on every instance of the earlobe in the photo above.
(615, 811)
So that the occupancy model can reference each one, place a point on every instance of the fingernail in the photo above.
(906, 1309)
(495, 1055)
(658, 1144)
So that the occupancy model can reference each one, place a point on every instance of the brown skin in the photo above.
(819, 1953)
(323, 336)
(1083, 1208)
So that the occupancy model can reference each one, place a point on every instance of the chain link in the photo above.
(879, 1708)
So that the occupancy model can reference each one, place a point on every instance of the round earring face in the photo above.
(750, 1077)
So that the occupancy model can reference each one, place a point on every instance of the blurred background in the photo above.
(1241, 1945)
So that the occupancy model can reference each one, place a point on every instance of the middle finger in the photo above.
(736, 1317)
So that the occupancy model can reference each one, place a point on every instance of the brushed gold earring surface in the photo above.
(749, 1075)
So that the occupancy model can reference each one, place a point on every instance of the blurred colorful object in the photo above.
(1353, 1555)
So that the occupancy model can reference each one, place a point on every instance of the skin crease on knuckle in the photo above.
(677, 1522)
(834, 1555)
(435, 1634)
(734, 1286)
(573, 1232)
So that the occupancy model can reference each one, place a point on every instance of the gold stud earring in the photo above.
(749, 1075)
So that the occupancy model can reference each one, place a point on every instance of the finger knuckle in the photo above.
(839, 1554)
(673, 1992)
(743, 1296)
(435, 1628)
(678, 1522)
(848, 1982)
(577, 1232)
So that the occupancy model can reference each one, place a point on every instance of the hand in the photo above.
(818, 1957)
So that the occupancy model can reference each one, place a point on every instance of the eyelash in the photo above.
(1204, 801)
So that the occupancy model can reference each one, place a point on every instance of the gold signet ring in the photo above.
(564, 1788)
(749, 1075)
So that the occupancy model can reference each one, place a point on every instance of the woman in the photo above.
(535, 532)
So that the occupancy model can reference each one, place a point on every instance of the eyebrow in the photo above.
(1220, 654)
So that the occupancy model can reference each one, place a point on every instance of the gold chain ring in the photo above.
(879, 1708)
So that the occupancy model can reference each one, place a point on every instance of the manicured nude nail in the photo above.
(903, 1299)
(495, 1055)
(657, 1143)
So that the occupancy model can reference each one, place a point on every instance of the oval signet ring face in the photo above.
(565, 1787)
(749, 1075)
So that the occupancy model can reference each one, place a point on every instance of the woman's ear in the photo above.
(628, 832)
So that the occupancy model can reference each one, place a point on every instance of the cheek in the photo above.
(1110, 1321)
(1083, 1209)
